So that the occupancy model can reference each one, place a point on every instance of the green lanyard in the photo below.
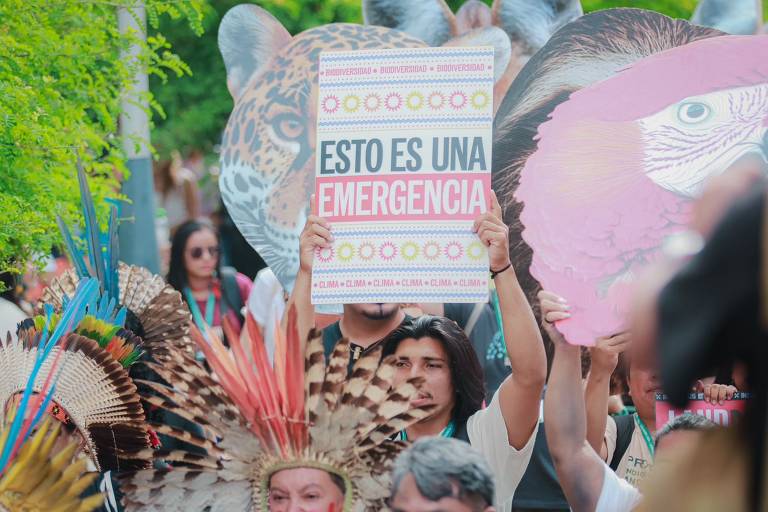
(447, 432)
(195, 310)
(646, 435)
(497, 310)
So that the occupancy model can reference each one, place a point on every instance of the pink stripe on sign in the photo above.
(418, 196)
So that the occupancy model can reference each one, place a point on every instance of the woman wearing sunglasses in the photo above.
(211, 290)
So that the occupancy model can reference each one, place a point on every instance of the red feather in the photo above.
(294, 370)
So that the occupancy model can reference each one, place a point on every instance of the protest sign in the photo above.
(725, 414)
(402, 170)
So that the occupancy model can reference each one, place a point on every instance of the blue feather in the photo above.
(75, 254)
(110, 314)
(92, 232)
(103, 311)
(112, 286)
(121, 316)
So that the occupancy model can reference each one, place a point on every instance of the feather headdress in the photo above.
(300, 413)
(39, 478)
(77, 374)
(153, 309)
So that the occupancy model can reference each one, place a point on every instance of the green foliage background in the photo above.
(61, 77)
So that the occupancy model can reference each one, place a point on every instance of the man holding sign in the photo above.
(443, 356)
(403, 144)
(403, 213)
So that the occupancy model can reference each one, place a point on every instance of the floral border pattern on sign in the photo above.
(346, 251)
(414, 101)
(366, 251)
(388, 251)
(334, 104)
(393, 101)
(324, 254)
(409, 251)
(453, 251)
(372, 102)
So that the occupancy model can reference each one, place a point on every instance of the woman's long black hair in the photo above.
(466, 372)
(177, 271)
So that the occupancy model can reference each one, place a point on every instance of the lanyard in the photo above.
(646, 435)
(447, 432)
(497, 310)
(195, 310)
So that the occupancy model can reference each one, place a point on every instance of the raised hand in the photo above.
(553, 309)
(316, 234)
(494, 234)
(605, 353)
(716, 393)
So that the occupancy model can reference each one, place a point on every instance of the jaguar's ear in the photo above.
(429, 20)
(530, 23)
(742, 17)
(471, 15)
(248, 38)
(491, 36)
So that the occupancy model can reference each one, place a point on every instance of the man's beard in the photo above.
(379, 313)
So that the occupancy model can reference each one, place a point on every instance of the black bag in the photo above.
(625, 428)
(230, 293)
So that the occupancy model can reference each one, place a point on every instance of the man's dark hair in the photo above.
(444, 467)
(466, 372)
(686, 421)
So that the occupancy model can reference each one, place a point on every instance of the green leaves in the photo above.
(61, 80)
(197, 108)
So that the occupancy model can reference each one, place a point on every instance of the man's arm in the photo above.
(579, 469)
(605, 357)
(316, 233)
(520, 393)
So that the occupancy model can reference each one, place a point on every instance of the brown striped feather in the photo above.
(336, 373)
(314, 364)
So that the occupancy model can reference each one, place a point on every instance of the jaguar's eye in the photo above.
(693, 112)
(288, 126)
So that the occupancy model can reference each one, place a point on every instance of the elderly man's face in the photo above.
(409, 499)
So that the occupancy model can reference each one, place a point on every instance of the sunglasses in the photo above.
(197, 252)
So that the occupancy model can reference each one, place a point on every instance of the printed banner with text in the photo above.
(724, 414)
(403, 168)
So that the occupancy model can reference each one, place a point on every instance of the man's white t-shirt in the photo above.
(487, 433)
(616, 495)
(637, 460)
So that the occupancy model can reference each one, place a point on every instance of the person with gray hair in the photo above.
(671, 432)
(439, 473)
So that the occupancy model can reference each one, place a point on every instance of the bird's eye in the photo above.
(694, 112)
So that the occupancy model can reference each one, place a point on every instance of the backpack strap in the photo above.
(477, 310)
(230, 292)
(625, 428)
